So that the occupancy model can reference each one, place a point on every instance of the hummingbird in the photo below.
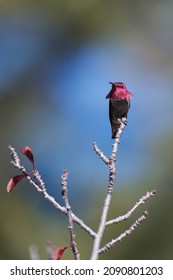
(119, 104)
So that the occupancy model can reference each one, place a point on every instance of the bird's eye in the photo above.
(121, 86)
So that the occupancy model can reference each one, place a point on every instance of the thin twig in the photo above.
(37, 176)
(123, 235)
(69, 214)
(100, 153)
(51, 199)
(142, 200)
(33, 251)
(111, 181)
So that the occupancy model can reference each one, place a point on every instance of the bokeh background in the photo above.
(56, 61)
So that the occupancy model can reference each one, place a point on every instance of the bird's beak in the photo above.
(111, 83)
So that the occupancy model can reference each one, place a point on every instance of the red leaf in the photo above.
(28, 152)
(59, 252)
(13, 182)
(55, 253)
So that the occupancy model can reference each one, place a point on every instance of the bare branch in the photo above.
(37, 176)
(142, 200)
(111, 181)
(33, 251)
(123, 124)
(69, 214)
(36, 181)
(123, 235)
(100, 153)
(51, 199)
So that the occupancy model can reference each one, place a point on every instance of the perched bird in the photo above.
(119, 104)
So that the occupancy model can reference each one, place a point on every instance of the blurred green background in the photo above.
(56, 61)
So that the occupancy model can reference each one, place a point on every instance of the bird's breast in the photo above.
(120, 107)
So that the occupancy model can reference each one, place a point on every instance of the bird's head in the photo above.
(119, 91)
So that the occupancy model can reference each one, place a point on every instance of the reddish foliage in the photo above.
(55, 253)
(28, 153)
(59, 252)
(14, 181)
